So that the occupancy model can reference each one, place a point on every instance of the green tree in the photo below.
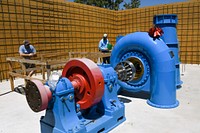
(98, 3)
(114, 4)
(133, 4)
(110, 4)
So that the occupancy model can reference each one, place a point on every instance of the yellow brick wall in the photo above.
(55, 25)
(52, 25)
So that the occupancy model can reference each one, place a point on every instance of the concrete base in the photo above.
(17, 117)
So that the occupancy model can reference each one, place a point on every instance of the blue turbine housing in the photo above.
(155, 68)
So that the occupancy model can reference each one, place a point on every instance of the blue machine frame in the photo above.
(62, 116)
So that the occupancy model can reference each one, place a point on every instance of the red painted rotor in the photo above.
(87, 79)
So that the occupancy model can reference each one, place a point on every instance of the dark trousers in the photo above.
(106, 60)
(27, 65)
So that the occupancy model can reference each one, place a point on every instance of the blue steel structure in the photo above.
(168, 24)
(64, 114)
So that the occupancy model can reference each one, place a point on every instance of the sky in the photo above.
(157, 2)
(144, 3)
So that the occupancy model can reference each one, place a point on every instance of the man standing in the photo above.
(103, 47)
(27, 51)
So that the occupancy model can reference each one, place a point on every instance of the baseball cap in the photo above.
(105, 35)
(26, 42)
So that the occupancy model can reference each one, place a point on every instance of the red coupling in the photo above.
(80, 84)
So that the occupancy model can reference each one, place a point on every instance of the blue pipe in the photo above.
(168, 24)
(162, 66)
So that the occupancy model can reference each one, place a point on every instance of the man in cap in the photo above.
(27, 51)
(103, 47)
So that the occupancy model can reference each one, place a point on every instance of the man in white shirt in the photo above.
(103, 44)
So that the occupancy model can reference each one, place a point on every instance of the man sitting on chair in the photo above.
(27, 51)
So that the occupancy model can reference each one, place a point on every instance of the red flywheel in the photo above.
(87, 79)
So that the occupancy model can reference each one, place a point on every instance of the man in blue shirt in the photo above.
(103, 44)
(27, 51)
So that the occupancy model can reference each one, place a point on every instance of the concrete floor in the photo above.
(17, 117)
